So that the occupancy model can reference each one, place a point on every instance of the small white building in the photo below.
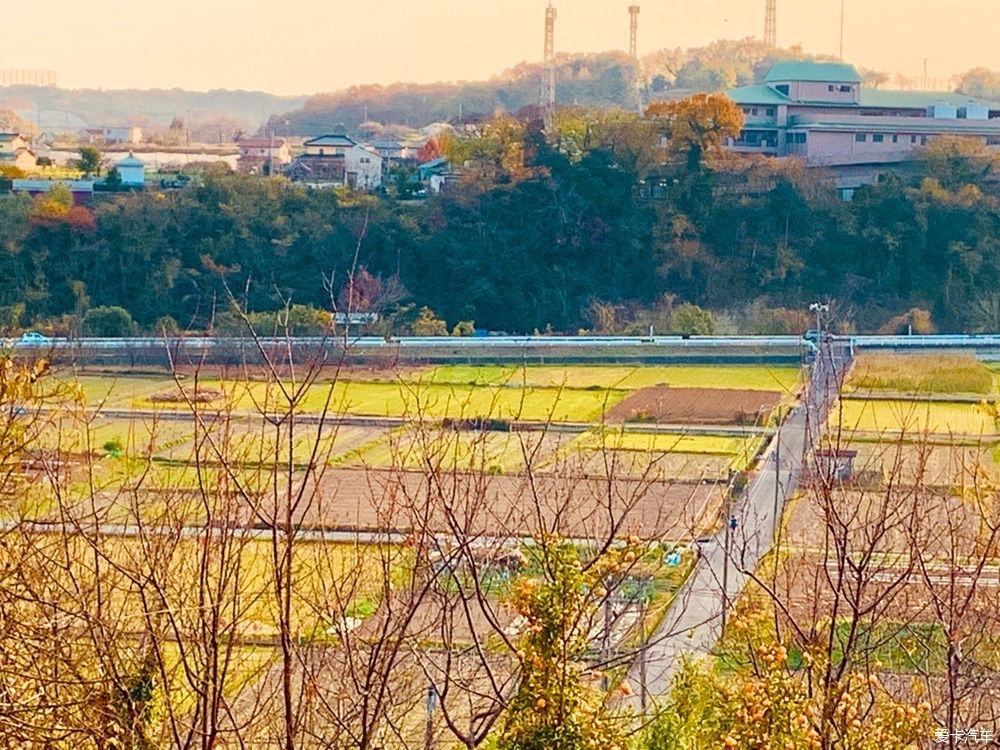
(131, 170)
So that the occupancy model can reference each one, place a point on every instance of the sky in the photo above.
(308, 46)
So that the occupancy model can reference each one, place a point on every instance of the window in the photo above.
(753, 111)
(923, 140)
(746, 110)
(913, 139)
(782, 89)
(830, 87)
(895, 139)
(846, 89)
(878, 138)
(789, 138)
(800, 137)
(992, 140)
(861, 137)
(322, 152)
(770, 111)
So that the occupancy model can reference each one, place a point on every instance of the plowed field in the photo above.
(695, 406)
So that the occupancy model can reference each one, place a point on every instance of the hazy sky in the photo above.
(304, 46)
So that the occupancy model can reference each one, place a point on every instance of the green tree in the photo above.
(90, 161)
(108, 322)
(556, 707)
(691, 320)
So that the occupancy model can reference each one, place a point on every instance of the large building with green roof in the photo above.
(822, 113)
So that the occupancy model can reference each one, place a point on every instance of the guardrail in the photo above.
(416, 342)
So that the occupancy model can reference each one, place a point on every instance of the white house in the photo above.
(131, 170)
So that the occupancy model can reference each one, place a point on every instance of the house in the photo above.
(263, 155)
(822, 113)
(106, 136)
(437, 174)
(131, 170)
(337, 160)
(15, 151)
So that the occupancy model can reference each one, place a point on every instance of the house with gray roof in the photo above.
(337, 160)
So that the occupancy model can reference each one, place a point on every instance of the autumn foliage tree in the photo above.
(698, 126)
(558, 705)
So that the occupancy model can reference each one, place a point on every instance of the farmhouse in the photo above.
(338, 159)
(261, 155)
(15, 151)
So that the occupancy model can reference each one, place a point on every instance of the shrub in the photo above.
(108, 322)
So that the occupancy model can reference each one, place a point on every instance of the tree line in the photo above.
(604, 221)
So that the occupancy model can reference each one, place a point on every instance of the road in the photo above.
(694, 623)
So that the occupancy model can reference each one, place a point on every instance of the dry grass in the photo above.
(923, 373)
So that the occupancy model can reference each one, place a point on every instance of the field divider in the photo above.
(360, 420)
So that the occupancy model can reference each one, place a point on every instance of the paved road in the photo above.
(694, 623)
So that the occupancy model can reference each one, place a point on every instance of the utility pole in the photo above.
(429, 725)
(633, 38)
(633, 51)
(926, 59)
(777, 484)
(771, 24)
(842, 29)
(548, 97)
(730, 527)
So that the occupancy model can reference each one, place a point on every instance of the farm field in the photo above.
(696, 406)
(493, 452)
(913, 418)
(737, 377)
(412, 399)
(921, 373)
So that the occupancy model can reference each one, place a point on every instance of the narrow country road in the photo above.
(695, 620)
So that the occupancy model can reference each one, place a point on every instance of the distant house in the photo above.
(260, 155)
(131, 170)
(108, 136)
(15, 151)
(436, 174)
(337, 159)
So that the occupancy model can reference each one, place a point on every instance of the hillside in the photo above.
(148, 107)
(592, 80)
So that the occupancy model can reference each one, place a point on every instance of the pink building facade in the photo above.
(821, 113)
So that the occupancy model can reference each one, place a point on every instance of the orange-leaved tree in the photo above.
(698, 125)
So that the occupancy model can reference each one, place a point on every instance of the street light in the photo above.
(819, 308)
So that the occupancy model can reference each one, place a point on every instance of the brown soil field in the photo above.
(663, 467)
(894, 520)
(890, 591)
(391, 500)
(931, 465)
(667, 405)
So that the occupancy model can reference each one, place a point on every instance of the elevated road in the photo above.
(695, 621)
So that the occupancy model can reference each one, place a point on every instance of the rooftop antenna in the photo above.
(548, 98)
(633, 46)
(771, 25)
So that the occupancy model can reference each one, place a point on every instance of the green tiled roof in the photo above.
(912, 125)
(759, 94)
(799, 70)
(917, 99)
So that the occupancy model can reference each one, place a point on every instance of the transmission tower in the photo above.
(633, 38)
(548, 99)
(771, 24)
